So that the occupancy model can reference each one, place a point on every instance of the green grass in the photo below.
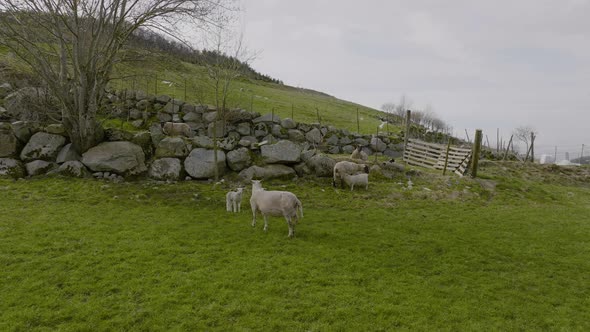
(91, 255)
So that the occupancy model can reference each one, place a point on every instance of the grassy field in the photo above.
(510, 252)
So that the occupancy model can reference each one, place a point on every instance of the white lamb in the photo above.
(359, 154)
(233, 200)
(358, 179)
(275, 203)
(347, 167)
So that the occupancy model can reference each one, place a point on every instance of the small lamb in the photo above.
(361, 179)
(347, 167)
(233, 200)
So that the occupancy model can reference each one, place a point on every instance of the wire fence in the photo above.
(298, 104)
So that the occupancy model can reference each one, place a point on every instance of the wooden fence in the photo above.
(435, 156)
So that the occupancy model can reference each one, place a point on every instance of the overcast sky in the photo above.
(479, 64)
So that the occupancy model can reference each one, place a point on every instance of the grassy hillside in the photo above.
(509, 252)
(160, 73)
(190, 82)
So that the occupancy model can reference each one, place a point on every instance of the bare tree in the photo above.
(74, 44)
(523, 134)
(231, 57)
(402, 106)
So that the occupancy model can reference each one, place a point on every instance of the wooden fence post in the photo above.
(475, 153)
(408, 122)
(508, 147)
(358, 125)
(533, 147)
(447, 156)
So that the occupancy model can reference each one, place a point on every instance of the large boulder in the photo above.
(216, 128)
(377, 144)
(283, 152)
(38, 167)
(32, 104)
(296, 135)
(267, 118)
(116, 134)
(67, 153)
(268, 172)
(123, 158)
(73, 168)
(321, 165)
(244, 129)
(12, 168)
(239, 159)
(173, 147)
(156, 133)
(200, 163)
(202, 142)
(314, 136)
(144, 140)
(23, 130)
(5, 89)
(288, 123)
(166, 169)
(9, 145)
(42, 146)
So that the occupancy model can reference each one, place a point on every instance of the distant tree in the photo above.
(523, 134)
(72, 45)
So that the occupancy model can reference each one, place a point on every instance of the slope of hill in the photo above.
(158, 73)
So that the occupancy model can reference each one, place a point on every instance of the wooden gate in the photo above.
(431, 155)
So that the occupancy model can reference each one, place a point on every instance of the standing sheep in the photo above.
(358, 179)
(233, 200)
(347, 167)
(359, 154)
(275, 203)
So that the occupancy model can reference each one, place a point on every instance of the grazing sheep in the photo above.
(347, 167)
(357, 179)
(275, 203)
(359, 154)
(177, 129)
(233, 200)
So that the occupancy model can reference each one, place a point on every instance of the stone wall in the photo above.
(253, 145)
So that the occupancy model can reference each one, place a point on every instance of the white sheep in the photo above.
(177, 129)
(347, 167)
(233, 200)
(359, 154)
(275, 203)
(357, 179)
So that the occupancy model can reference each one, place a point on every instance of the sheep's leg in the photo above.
(227, 204)
(291, 226)
(234, 208)
(265, 223)
(351, 187)
(253, 215)
(239, 206)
